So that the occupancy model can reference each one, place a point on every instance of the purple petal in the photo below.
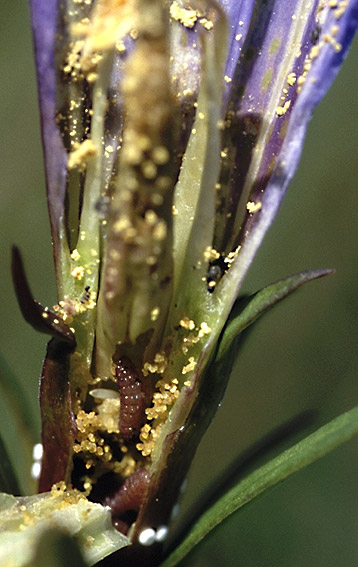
(44, 19)
(272, 114)
(239, 16)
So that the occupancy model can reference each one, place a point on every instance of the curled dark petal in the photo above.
(58, 424)
(39, 317)
(128, 498)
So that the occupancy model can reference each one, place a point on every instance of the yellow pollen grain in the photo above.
(160, 231)
(75, 255)
(149, 169)
(120, 47)
(160, 155)
(92, 77)
(207, 24)
(78, 272)
(253, 207)
(314, 52)
(341, 8)
(329, 39)
(204, 330)
(291, 79)
(81, 154)
(154, 313)
(187, 323)
(210, 254)
(190, 366)
(281, 110)
(158, 366)
(187, 17)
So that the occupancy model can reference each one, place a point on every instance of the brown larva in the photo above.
(132, 403)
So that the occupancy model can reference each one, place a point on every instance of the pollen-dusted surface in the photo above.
(172, 118)
(166, 393)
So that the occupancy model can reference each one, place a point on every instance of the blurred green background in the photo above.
(303, 355)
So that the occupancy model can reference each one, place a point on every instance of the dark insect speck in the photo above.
(315, 34)
(86, 295)
(217, 269)
(102, 206)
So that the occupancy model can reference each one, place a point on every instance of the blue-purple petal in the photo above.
(44, 21)
(315, 66)
(238, 15)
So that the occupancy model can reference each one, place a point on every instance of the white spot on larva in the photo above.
(183, 486)
(36, 470)
(37, 452)
(147, 536)
(175, 511)
(104, 394)
(162, 533)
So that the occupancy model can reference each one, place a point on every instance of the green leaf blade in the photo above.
(310, 449)
(261, 302)
(8, 478)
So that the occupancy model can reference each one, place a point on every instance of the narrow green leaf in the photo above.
(23, 421)
(13, 392)
(315, 446)
(57, 549)
(8, 479)
(262, 301)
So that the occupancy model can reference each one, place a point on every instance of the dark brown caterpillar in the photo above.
(132, 402)
(128, 499)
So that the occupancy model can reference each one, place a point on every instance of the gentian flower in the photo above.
(171, 133)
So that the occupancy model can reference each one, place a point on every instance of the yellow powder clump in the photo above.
(291, 79)
(190, 366)
(185, 16)
(158, 366)
(187, 323)
(81, 154)
(88, 439)
(78, 272)
(165, 395)
(110, 21)
(281, 110)
(253, 207)
(211, 254)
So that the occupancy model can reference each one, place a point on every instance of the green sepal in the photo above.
(313, 447)
(24, 521)
(256, 305)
